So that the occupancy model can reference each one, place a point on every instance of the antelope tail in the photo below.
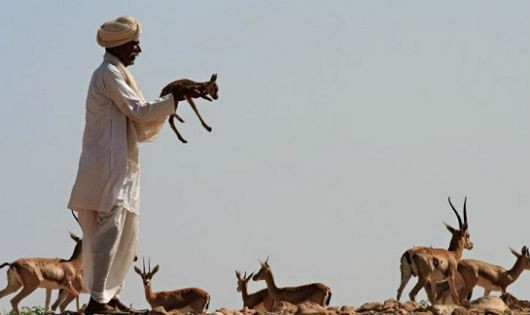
(328, 299)
(207, 304)
(408, 260)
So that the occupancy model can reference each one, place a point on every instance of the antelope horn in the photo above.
(143, 264)
(465, 211)
(149, 262)
(456, 212)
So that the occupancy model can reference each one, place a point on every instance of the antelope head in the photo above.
(265, 268)
(524, 256)
(78, 249)
(460, 235)
(210, 88)
(242, 281)
(146, 276)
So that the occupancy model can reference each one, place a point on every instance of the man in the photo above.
(106, 190)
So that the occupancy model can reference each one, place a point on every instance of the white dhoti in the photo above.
(109, 247)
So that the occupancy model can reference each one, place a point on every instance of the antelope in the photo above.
(315, 292)
(48, 273)
(431, 264)
(185, 300)
(490, 277)
(260, 300)
(208, 90)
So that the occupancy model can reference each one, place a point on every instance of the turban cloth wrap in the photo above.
(118, 32)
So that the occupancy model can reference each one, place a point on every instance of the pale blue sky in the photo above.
(341, 128)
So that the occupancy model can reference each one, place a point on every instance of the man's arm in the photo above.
(131, 105)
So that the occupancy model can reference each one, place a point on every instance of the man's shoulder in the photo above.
(106, 69)
(106, 66)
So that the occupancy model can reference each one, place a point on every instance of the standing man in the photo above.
(107, 188)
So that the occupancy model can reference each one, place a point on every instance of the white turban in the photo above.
(118, 32)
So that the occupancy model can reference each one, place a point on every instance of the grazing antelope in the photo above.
(208, 90)
(260, 300)
(48, 273)
(490, 277)
(315, 292)
(185, 300)
(432, 264)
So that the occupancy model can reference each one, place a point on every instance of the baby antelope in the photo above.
(207, 90)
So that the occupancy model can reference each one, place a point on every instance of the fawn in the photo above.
(208, 90)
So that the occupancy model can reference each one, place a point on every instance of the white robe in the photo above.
(107, 187)
(117, 118)
(109, 248)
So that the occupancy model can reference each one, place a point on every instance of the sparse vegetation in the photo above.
(424, 303)
(27, 310)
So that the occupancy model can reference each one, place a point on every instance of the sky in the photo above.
(341, 129)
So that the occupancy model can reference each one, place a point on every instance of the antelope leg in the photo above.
(171, 120)
(194, 107)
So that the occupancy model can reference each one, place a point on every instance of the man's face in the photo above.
(128, 52)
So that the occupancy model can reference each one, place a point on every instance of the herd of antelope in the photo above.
(449, 279)
(442, 273)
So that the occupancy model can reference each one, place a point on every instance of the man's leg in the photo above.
(124, 258)
(88, 220)
(109, 247)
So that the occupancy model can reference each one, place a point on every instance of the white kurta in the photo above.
(117, 118)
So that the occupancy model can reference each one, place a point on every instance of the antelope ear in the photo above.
(74, 237)
(238, 275)
(213, 78)
(450, 228)
(524, 250)
(514, 252)
(138, 271)
(250, 276)
(155, 270)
